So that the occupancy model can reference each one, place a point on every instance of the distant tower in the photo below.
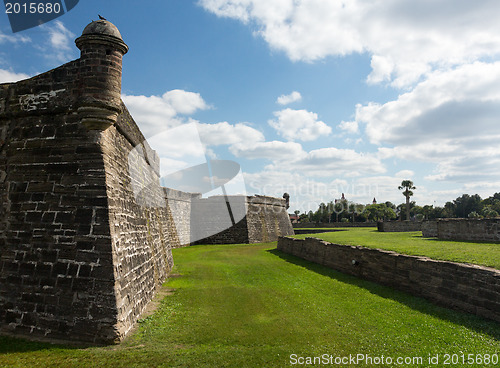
(286, 196)
(99, 87)
(342, 199)
(374, 201)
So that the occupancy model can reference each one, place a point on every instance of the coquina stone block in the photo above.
(86, 230)
(399, 226)
(80, 258)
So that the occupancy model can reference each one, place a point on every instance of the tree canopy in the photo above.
(465, 206)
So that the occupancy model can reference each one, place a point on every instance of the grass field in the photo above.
(481, 253)
(252, 306)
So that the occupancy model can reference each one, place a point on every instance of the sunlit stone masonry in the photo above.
(82, 251)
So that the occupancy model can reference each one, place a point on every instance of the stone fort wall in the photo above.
(219, 220)
(487, 229)
(255, 219)
(86, 230)
(267, 219)
(429, 228)
(399, 226)
(180, 205)
(470, 288)
(80, 258)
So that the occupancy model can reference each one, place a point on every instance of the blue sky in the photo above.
(311, 97)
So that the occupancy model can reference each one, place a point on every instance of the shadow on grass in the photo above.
(10, 344)
(422, 305)
(315, 231)
(455, 240)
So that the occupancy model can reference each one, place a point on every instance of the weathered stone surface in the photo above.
(86, 230)
(80, 258)
(469, 229)
(180, 205)
(471, 288)
(267, 219)
(429, 229)
(399, 226)
(463, 229)
(257, 219)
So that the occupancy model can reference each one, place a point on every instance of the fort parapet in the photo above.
(258, 219)
(486, 230)
(80, 259)
(399, 226)
(82, 252)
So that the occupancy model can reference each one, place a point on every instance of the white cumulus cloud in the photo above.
(450, 119)
(299, 125)
(404, 174)
(154, 114)
(349, 126)
(288, 99)
(8, 76)
(451, 105)
(305, 193)
(224, 133)
(60, 42)
(184, 102)
(407, 39)
(332, 161)
(273, 150)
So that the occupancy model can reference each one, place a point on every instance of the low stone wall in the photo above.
(429, 229)
(399, 226)
(463, 229)
(470, 288)
(301, 225)
(469, 229)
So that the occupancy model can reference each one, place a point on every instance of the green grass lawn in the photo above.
(481, 253)
(252, 306)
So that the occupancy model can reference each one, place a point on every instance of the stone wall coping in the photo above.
(495, 219)
(257, 199)
(178, 195)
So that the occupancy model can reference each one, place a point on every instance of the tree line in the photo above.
(346, 211)
(465, 206)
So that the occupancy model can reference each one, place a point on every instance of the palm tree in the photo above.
(407, 185)
(296, 215)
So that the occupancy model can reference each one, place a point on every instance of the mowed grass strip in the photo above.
(480, 253)
(253, 306)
